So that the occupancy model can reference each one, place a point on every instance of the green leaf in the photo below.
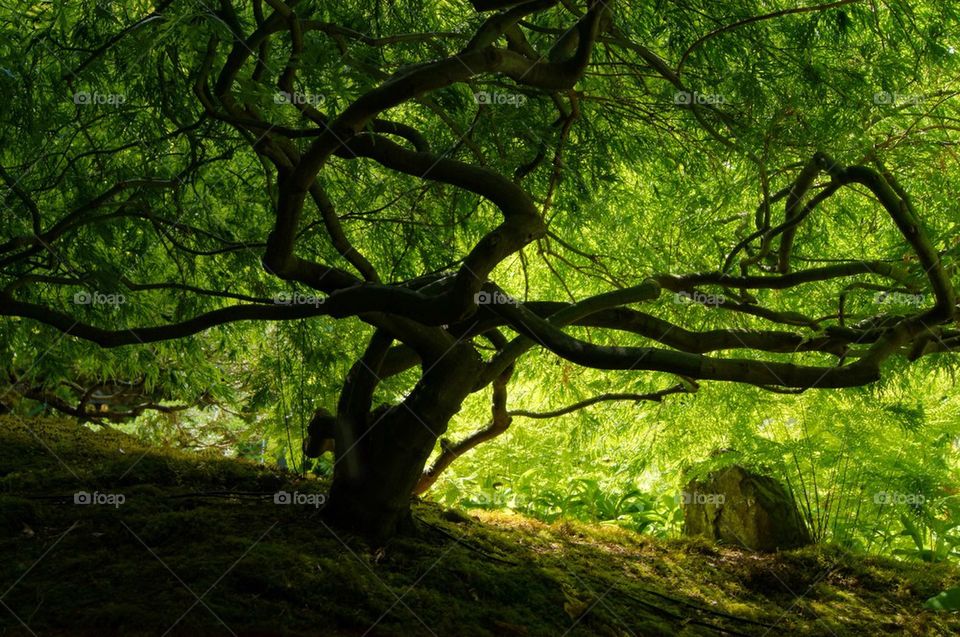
(948, 600)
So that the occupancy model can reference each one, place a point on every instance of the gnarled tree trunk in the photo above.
(381, 453)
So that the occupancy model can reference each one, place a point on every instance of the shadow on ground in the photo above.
(198, 546)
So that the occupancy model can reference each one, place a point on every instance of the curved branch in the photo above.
(753, 19)
(500, 421)
(754, 372)
(657, 396)
(116, 338)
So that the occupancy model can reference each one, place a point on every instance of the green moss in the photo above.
(267, 569)
(16, 514)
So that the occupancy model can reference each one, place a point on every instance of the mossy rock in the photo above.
(738, 507)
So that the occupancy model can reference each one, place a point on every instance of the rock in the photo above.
(741, 508)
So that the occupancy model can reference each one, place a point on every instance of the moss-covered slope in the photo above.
(199, 547)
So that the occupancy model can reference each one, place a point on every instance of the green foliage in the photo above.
(267, 569)
(948, 600)
(574, 498)
(875, 470)
(645, 187)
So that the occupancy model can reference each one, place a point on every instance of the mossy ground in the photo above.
(195, 549)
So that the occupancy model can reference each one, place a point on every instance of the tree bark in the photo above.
(381, 457)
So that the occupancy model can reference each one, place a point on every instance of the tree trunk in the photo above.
(373, 481)
(381, 454)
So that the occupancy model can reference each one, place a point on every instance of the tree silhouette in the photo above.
(402, 168)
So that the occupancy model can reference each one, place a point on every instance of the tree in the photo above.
(399, 168)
